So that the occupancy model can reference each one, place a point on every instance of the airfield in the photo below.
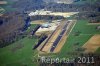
(80, 34)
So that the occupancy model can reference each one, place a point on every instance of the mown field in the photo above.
(80, 34)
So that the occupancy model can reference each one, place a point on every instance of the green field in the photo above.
(85, 33)
(7, 7)
(98, 51)
(10, 56)
(85, 1)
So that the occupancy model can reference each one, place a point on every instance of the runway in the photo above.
(55, 37)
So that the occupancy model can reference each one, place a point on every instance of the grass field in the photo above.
(86, 32)
(86, 1)
(22, 56)
(8, 7)
(98, 51)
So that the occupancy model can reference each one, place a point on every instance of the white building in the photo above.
(39, 12)
(47, 27)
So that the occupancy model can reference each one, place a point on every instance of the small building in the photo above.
(46, 28)
(45, 25)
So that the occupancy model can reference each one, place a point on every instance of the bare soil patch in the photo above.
(38, 22)
(92, 44)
